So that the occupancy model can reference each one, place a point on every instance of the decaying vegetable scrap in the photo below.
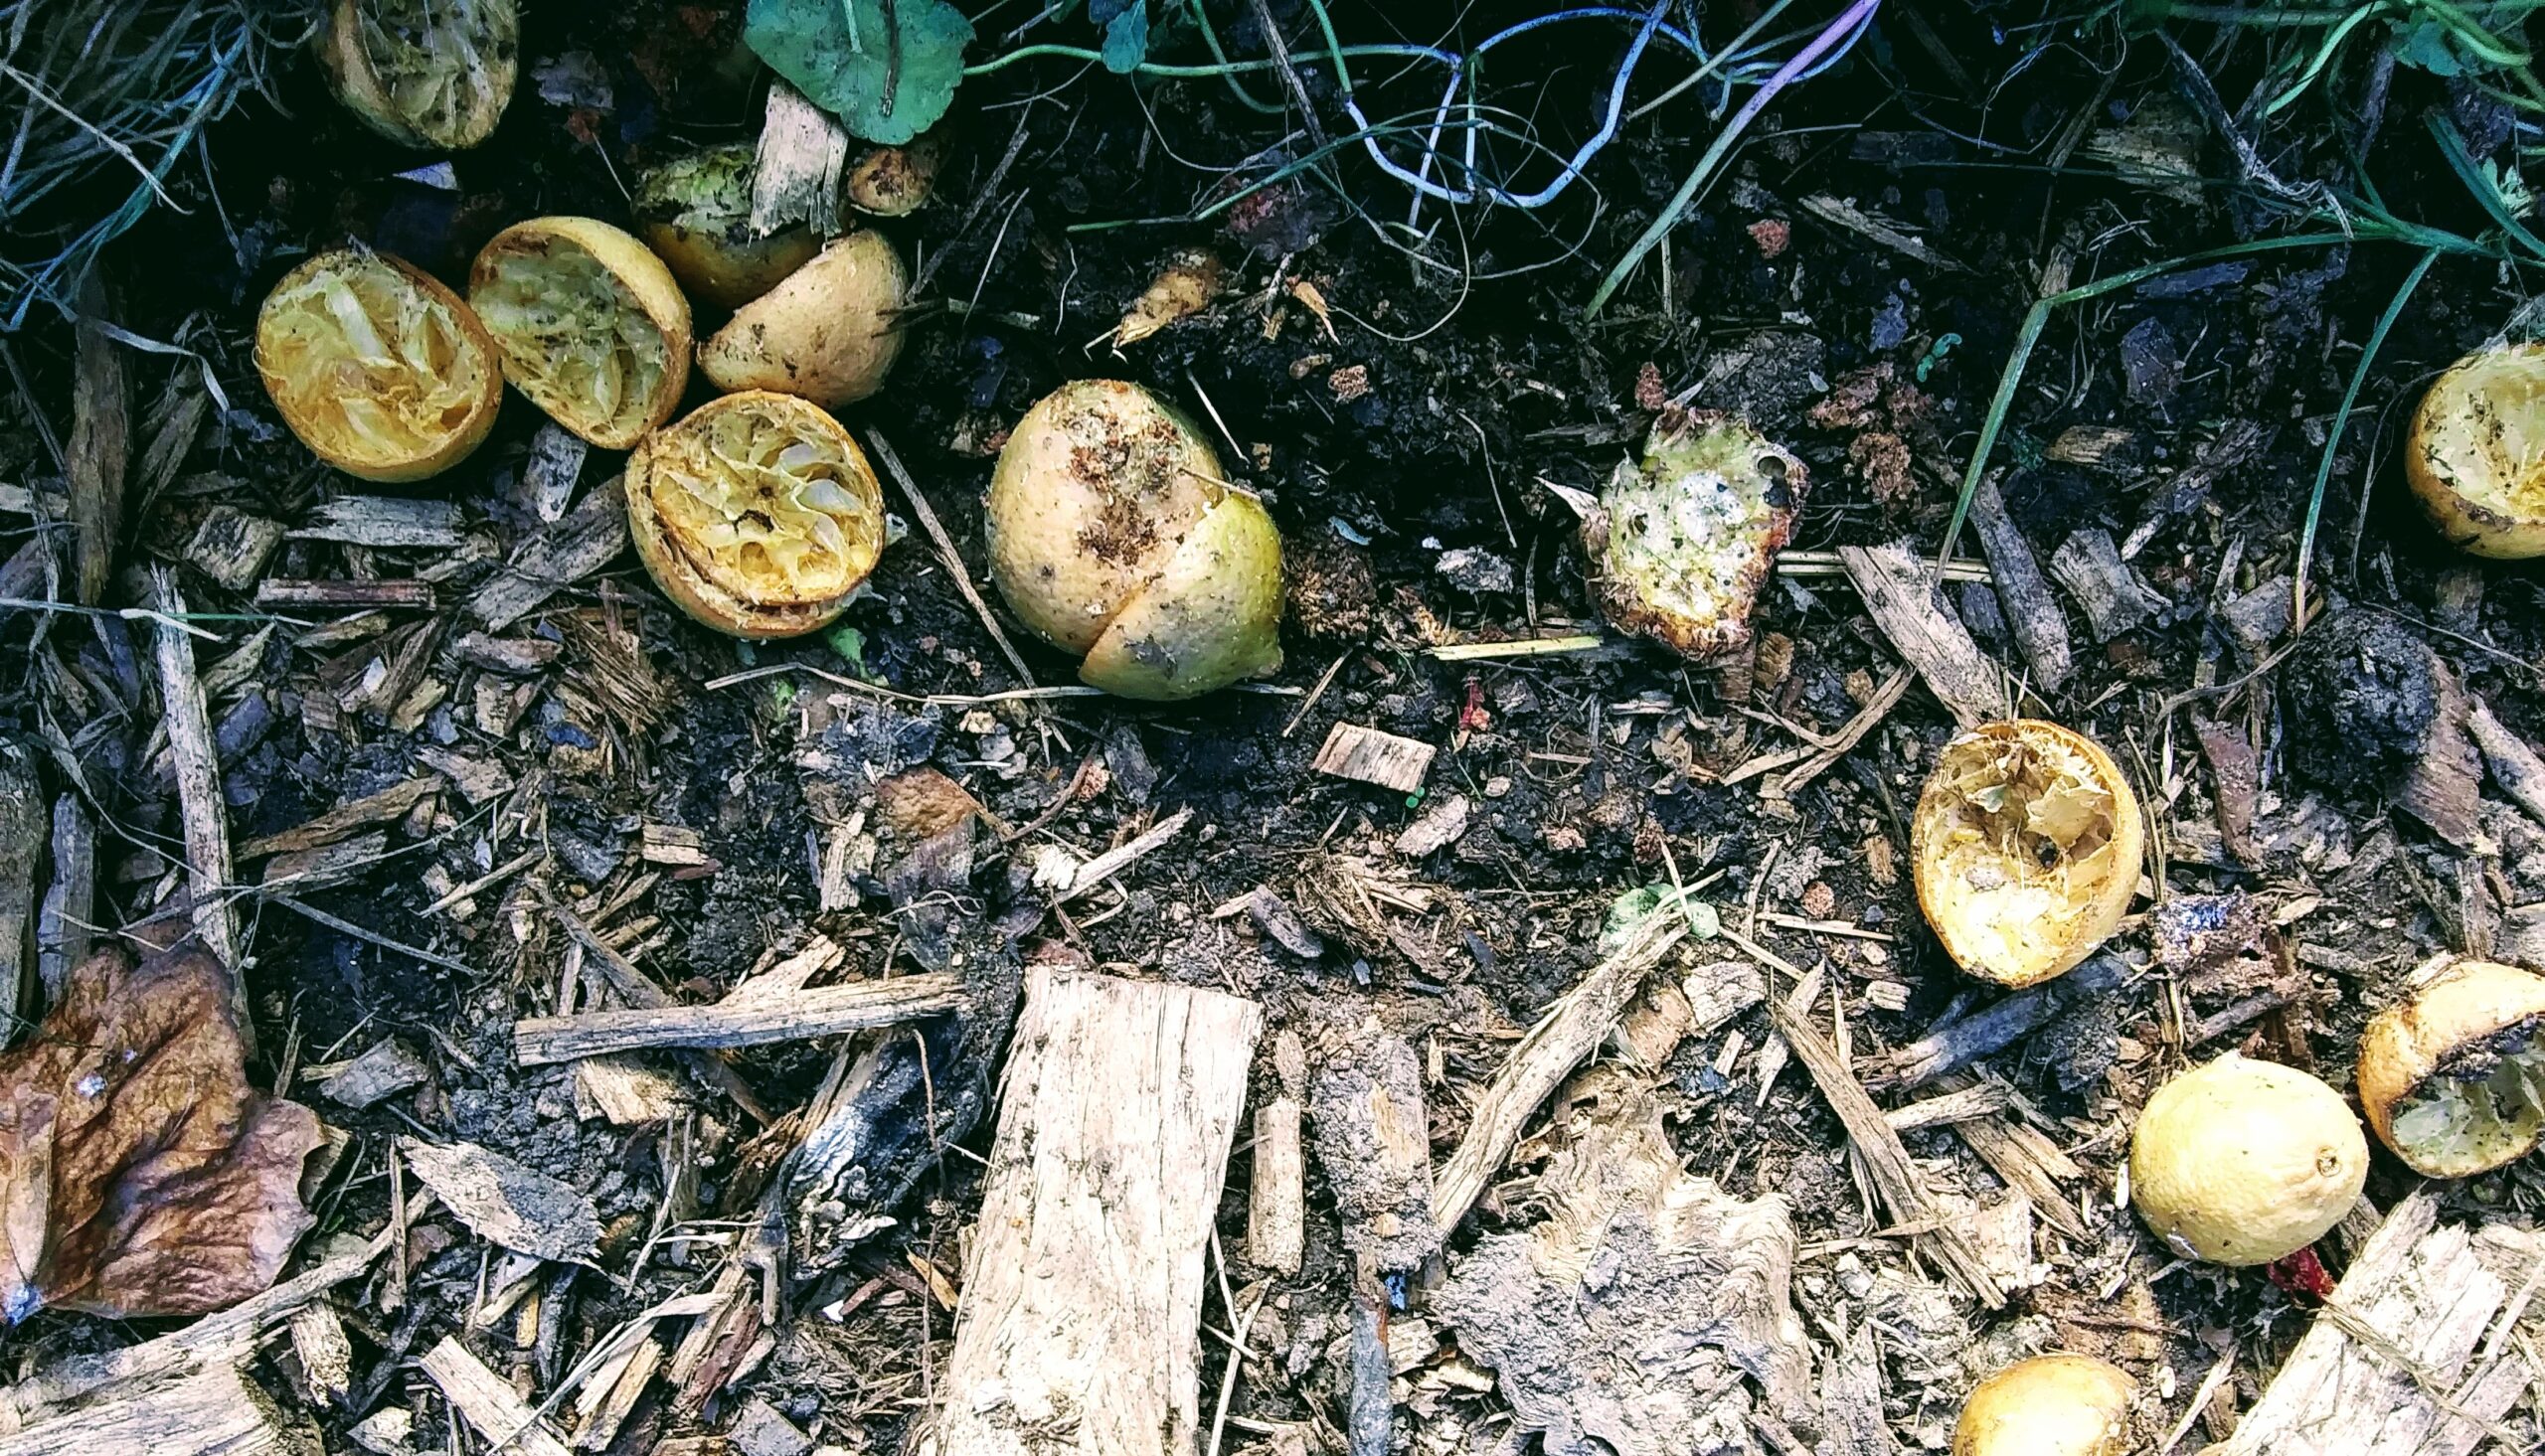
(142, 1176)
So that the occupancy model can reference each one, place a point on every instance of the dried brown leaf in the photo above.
(139, 1174)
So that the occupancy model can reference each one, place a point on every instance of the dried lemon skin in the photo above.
(2049, 1405)
(2451, 1027)
(591, 326)
(757, 514)
(2476, 452)
(695, 211)
(369, 412)
(2242, 1162)
(825, 331)
(895, 181)
(1113, 536)
(375, 67)
(2019, 901)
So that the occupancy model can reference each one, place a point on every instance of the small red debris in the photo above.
(1771, 234)
(2301, 1274)
(1475, 718)
(1648, 393)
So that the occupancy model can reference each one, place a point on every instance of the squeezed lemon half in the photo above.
(2452, 1077)
(757, 514)
(423, 73)
(2026, 845)
(377, 366)
(591, 326)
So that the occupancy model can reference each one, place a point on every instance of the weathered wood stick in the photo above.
(1080, 1323)
(489, 1405)
(198, 801)
(823, 1013)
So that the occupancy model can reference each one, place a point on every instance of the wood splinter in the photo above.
(1080, 1327)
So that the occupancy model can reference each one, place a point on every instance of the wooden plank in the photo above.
(829, 1011)
(1899, 591)
(1082, 1307)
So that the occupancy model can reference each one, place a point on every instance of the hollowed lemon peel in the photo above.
(2049, 1405)
(2026, 844)
(2452, 1077)
(423, 73)
(2476, 452)
(757, 514)
(2243, 1162)
(592, 328)
(1114, 534)
(377, 366)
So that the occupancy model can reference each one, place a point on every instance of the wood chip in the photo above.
(826, 1012)
(1898, 588)
(303, 871)
(1081, 1322)
(2032, 614)
(326, 1356)
(504, 1203)
(389, 1069)
(2516, 766)
(344, 820)
(1276, 1194)
(231, 547)
(2089, 565)
(384, 521)
(1441, 824)
(100, 447)
(520, 656)
(1374, 1142)
(671, 844)
(487, 1404)
(587, 538)
(478, 780)
(200, 804)
(1368, 755)
(796, 176)
(218, 1412)
(70, 901)
(550, 474)
(407, 595)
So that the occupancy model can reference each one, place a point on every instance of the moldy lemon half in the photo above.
(695, 211)
(757, 514)
(2025, 845)
(423, 73)
(2243, 1162)
(2049, 1405)
(591, 326)
(1114, 534)
(377, 366)
(2476, 452)
(2452, 1077)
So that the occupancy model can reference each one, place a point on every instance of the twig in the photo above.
(945, 549)
(199, 800)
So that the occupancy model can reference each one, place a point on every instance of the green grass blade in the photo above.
(2341, 421)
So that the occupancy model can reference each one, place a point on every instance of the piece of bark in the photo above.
(100, 445)
(1375, 1145)
(326, 1356)
(505, 1203)
(2235, 442)
(2515, 766)
(519, 656)
(71, 900)
(1114, 860)
(1851, 1406)
(553, 557)
(539, 1040)
(218, 1412)
(2031, 1163)
(1441, 824)
(385, 1070)
(1569, 1031)
(1898, 588)
(1637, 1318)
(550, 474)
(394, 594)
(345, 820)
(795, 175)
(2238, 777)
(1368, 755)
(231, 547)
(1981, 1099)
(22, 844)
(385, 520)
(1887, 1166)
(630, 986)
(2040, 627)
(205, 813)
(2089, 565)
(303, 871)
(2444, 788)
(487, 1404)
(2405, 1359)
(1080, 1324)
(1276, 1195)
(624, 1092)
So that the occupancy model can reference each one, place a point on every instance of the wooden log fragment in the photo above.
(2040, 627)
(487, 1404)
(1082, 1307)
(1898, 588)
(217, 1412)
(200, 804)
(2410, 1357)
(539, 1040)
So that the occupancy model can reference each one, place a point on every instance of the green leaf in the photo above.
(1127, 38)
(888, 69)
(850, 644)
(2425, 45)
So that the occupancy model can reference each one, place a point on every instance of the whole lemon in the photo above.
(2244, 1162)
(2048, 1405)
